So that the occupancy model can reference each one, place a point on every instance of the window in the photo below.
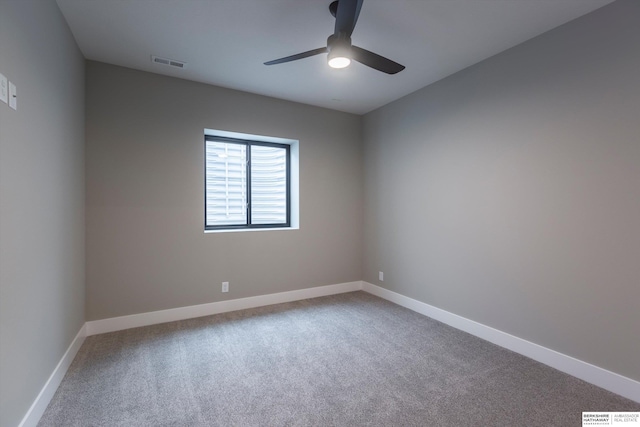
(247, 184)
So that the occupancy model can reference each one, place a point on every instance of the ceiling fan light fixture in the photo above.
(338, 61)
(339, 52)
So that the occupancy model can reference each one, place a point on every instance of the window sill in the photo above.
(243, 230)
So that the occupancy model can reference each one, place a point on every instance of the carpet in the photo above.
(343, 360)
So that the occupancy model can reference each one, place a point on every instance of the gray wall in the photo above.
(146, 249)
(509, 193)
(41, 200)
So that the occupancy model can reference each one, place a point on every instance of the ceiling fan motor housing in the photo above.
(339, 46)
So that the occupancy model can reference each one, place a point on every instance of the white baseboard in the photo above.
(585, 371)
(39, 405)
(593, 374)
(162, 316)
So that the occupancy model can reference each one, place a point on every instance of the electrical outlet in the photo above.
(381, 276)
(225, 286)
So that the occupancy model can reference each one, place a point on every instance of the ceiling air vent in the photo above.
(169, 62)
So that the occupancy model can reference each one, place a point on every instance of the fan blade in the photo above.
(347, 16)
(375, 61)
(298, 56)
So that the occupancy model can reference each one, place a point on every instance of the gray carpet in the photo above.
(345, 360)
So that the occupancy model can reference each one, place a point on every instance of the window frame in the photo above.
(249, 143)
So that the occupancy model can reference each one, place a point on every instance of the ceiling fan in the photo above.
(339, 48)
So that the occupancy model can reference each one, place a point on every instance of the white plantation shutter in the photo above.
(229, 180)
(268, 185)
(226, 183)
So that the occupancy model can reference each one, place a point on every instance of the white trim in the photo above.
(242, 230)
(608, 380)
(238, 135)
(585, 371)
(162, 316)
(33, 415)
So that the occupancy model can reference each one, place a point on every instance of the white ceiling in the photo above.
(225, 42)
